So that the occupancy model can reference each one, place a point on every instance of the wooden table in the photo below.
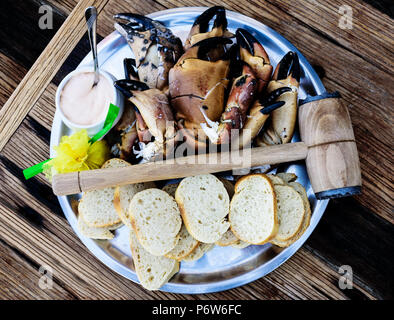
(357, 232)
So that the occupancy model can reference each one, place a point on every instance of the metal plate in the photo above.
(221, 268)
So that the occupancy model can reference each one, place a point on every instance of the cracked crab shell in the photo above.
(196, 84)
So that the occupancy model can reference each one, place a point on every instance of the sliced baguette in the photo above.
(204, 205)
(184, 247)
(198, 253)
(227, 239)
(156, 220)
(276, 180)
(240, 244)
(97, 206)
(287, 176)
(253, 211)
(123, 196)
(291, 212)
(95, 233)
(306, 220)
(152, 271)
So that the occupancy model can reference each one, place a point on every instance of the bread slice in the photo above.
(152, 271)
(123, 196)
(204, 205)
(96, 233)
(305, 221)
(198, 253)
(253, 211)
(291, 212)
(240, 244)
(287, 176)
(275, 179)
(97, 206)
(227, 239)
(171, 188)
(156, 219)
(184, 247)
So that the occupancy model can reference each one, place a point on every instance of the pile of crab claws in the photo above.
(289, 66)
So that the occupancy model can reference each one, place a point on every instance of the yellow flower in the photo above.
(75, 153)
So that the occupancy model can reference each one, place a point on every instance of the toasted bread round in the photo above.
(184, 247)
(156, 220)
(253, 211)
(240, 244)
(97, 206)
(198, 252)
(227, 239)
(305, 221)
(287, 176)
(275, 179)
(96, 233)
(204, 205)
(152, 271)
(291, 212)
(123, 196)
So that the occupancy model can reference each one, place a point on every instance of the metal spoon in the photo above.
(91, 21)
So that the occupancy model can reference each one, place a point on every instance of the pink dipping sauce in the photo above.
(83, 104)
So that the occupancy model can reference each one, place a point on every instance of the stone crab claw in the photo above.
(200, 28)
(198, 83)
(252, 73)
(155, 47)
(154, 119)
(281, 127)
(254, 54)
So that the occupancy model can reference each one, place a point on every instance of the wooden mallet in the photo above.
(327, 145)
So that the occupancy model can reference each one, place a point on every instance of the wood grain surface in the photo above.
(357, 231)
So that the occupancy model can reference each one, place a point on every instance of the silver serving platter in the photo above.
(221, 268)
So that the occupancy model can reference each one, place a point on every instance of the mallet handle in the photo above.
(75, 182)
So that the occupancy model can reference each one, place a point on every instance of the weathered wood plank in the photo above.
(292, 280)
(11, 74)
(371, 34)
(20, 279)
(354, 236)
(43, 70)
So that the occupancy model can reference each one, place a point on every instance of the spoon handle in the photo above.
(91, 21)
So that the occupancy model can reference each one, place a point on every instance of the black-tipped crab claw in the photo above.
(283, 87)
(154, 119)
(155, 47)
(254, 54)
(200, 29)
